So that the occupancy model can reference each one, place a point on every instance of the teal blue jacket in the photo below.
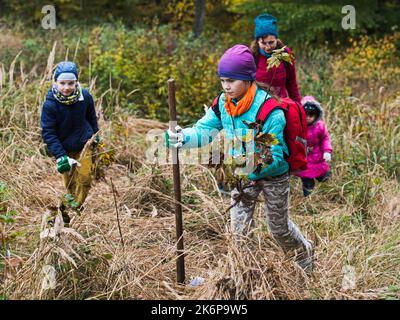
(204, 131)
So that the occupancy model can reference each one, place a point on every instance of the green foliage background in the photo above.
(132, 47)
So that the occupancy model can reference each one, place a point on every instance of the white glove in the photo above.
(327, 156)
(175, 139)
(72, 161)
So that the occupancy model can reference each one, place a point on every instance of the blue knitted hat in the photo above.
(66, 67)
(265, 24)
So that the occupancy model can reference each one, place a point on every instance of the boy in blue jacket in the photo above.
(68, 121)
(237, 106)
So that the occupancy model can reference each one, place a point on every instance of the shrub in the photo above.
(139, 62)
(370, 63)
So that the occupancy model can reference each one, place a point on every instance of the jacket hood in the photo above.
(50, 95)
(310, 100)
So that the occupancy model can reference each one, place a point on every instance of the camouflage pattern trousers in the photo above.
(276, 198)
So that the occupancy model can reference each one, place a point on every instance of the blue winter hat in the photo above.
(67, 70)
(265, 24)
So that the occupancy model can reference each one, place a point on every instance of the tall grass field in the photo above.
(353, 219)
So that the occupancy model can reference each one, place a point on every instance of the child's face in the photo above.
(235, 89)
(268, 43)
(310, 118)
(66, 87)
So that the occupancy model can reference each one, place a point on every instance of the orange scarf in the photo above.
(243, 105)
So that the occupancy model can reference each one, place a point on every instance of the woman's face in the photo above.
(235, 89)
(268, 43)
(66, 87)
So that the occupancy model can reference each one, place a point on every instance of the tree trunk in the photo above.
(200, 11)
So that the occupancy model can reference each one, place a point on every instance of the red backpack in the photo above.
(295, 132)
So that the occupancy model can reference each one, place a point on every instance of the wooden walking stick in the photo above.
(180, 261)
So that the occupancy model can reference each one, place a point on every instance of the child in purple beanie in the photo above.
(232, 110)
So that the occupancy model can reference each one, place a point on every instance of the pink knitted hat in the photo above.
(306, 99)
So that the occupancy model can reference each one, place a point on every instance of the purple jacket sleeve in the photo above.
(325, 140)
(291, 80)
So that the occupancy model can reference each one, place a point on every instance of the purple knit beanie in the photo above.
(237, 63)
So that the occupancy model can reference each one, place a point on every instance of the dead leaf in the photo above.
(154, 213)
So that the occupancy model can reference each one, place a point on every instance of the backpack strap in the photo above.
(303, 123)
(215, 106)
(270, 104)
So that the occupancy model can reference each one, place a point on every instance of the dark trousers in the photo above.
(309, 183)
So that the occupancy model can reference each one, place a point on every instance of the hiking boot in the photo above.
(307, 192)
(66, 219)
(64, 213)
(305, 259)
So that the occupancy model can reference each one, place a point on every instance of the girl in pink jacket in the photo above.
(319, 148)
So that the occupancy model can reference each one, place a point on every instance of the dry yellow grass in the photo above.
(92, 264)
